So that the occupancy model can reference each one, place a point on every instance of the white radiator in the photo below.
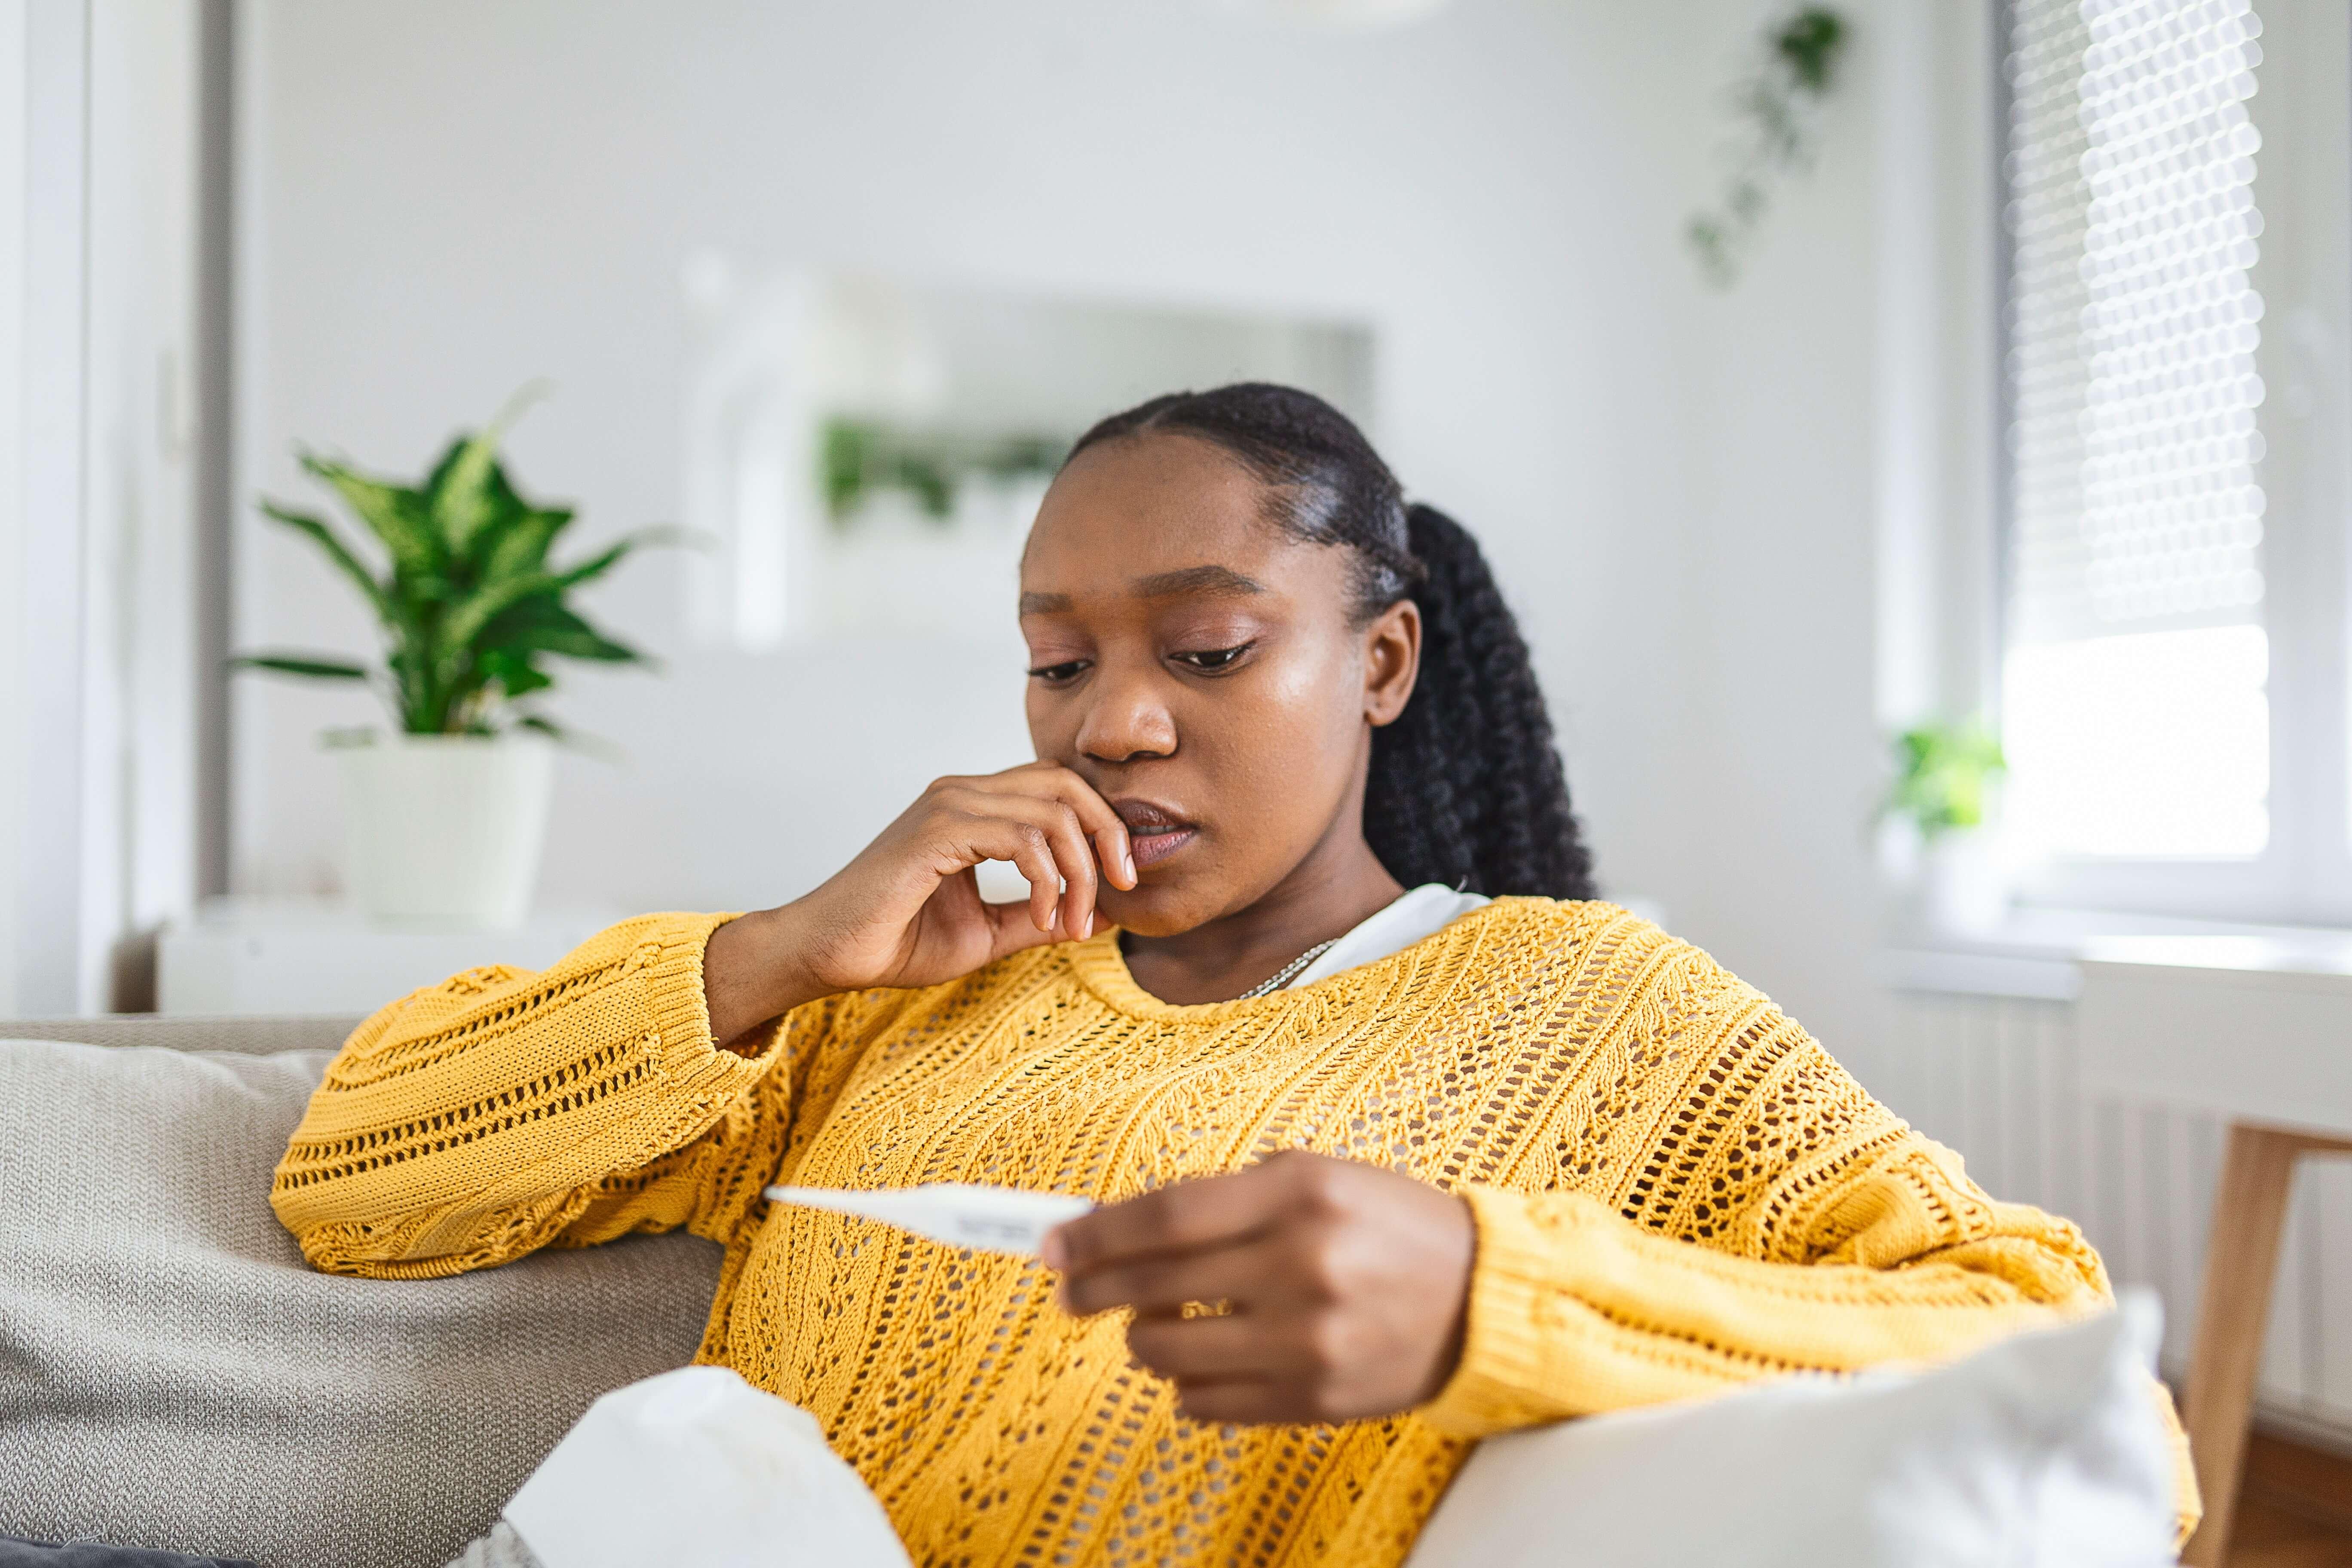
(1996, 1078)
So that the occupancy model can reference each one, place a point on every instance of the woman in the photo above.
(1443, 1162)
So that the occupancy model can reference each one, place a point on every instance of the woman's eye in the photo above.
(1210, 661)
(1059, 674)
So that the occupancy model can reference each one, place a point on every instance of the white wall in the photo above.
(96, 789)
(445, 199)
(15, 95)
(43, 743)
(140, 686)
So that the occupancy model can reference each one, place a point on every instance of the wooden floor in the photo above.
(2269, 1536)
(2296, 1510)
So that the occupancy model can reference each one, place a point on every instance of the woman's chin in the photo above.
(1155, 908)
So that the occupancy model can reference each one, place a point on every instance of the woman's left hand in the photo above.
(1344, 1288)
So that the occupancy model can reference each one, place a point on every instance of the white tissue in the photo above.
(697, 1468)
(960, 1214)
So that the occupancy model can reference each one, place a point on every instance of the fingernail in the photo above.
(1052, 1253)
(1127, 858)
(1090, 923)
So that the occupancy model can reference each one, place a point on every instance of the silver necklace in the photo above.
(1289, 972)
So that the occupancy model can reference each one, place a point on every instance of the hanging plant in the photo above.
(1774, 112)
(859, 457)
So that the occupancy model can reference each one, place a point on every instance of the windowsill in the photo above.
(2035, 953)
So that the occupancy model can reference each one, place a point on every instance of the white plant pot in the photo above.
(1964, 886)
(444, 830)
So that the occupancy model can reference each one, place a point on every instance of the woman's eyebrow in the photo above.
(1158, 586)
(1196, 580)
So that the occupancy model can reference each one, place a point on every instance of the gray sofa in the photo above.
(171, 1374)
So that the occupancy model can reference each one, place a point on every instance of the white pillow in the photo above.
(2041, 1450)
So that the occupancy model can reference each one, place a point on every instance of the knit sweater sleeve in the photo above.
(1575, 1309)
(1767, 1216)
(503, 1110)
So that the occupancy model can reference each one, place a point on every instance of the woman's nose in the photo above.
(1125, 720)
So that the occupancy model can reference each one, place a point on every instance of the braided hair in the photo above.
(1466, 787)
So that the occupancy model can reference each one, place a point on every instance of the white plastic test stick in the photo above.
(991, 1220)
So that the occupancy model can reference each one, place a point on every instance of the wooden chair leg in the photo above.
(2241, 1260)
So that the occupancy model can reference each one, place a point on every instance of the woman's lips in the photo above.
(1151, 848)
(1153, 832)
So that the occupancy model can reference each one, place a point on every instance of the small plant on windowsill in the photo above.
(1947, 791)
(444, 815)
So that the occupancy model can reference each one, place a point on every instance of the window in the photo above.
(2146, 651)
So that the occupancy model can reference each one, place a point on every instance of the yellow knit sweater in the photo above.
(1676, 1190)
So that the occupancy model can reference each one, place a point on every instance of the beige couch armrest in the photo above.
(252, 1036)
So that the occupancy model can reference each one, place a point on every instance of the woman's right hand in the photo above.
(908, 911)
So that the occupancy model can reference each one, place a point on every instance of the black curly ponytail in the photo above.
(1466, 787)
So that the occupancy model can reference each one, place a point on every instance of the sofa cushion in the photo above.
(2044, 1450)
(173, 1375)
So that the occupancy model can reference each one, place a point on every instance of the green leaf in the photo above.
(519, 547)
(469, 490)
(542, 723)
(543, 626)
(1809, 44)
(1944, 775)
(596, 565)
(930, 481)
(464, 497)
(319, 665)
(465, 620)
(339, 553)
(398, 516)
(504, 505)
(513, 670)
(844, 453)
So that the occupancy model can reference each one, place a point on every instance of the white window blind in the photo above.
(2134, 710)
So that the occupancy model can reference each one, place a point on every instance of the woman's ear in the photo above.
(1391, 661)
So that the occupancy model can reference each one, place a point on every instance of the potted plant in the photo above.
(1947, 789)
(447, 812)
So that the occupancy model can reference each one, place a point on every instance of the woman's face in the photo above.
(1199, 668)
